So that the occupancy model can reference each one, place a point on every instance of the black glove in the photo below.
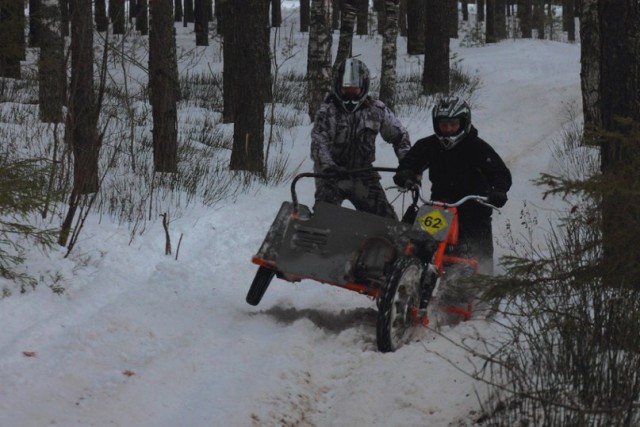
(497, 198)
(404, 178)
(338, 171)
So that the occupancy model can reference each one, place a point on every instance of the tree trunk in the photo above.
(142, 17)
(415, 27)
(133, 9)
(525, 17)
(102, 22)
(452, 18)
(163, 86)
(571, 20)
(305, 15)
(177, 11)
(590, 68)
(465, 10)
(319, 55)
(362, 24)
(490, 22)
(201, 25)
(51, 66)
(501, 19)
(538, 17)
(381, 18)
(116, 11)
(250, 20)
(620, 108)
(82, 118)
(276, 14)
(225, 13)
(13, 45)
(435, 78)
(34, 23)
(188, 12)
(336, 8)
(480, 15)
(64, 13)
(348, 20)
(402, 18)
(389, 54)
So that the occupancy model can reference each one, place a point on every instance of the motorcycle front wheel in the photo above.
(399, 305)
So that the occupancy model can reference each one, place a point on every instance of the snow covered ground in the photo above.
(142, 339)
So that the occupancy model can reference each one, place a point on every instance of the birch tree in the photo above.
(347, 24)
(319, 55)
(389, 54)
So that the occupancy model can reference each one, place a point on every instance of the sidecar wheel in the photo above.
(399, 305)
(259, 285)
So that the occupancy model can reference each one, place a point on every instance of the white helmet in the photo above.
(451, 108)
(351, 83)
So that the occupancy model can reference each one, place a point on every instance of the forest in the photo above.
(94, 122)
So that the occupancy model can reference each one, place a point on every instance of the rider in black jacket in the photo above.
(460, 163)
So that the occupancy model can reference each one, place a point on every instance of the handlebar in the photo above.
(417, 195)
(294, 196)
(480, 199)
(415, 189)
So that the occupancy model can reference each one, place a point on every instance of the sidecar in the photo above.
(333, 245)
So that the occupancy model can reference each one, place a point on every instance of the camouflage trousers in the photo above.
(365, 193)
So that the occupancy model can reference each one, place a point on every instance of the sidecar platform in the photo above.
(333, 245)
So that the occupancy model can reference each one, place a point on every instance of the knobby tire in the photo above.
(259, 285)
(399, 304)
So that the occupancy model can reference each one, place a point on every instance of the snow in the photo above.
(139, 338)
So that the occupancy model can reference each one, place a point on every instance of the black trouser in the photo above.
(477, 237)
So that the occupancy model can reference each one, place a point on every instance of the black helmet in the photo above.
(351, 83)
(451, 108)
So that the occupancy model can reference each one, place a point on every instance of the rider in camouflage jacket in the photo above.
(343, 138)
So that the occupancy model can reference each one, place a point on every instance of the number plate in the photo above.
(434, 220)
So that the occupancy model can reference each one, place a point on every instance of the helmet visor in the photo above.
(351, 92)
